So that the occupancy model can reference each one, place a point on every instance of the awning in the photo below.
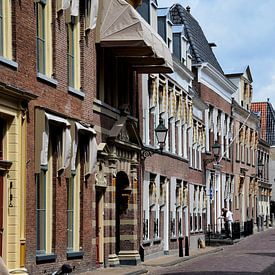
(121, 27)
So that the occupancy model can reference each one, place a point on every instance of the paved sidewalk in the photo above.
(145, 267)
(254, 254)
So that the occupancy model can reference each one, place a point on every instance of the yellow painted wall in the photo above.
(15, 151)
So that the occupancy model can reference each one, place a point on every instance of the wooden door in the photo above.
(97, 228)
(1, 212)
(1, 185)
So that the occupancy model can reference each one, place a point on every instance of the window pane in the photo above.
(40, 37)
(41, 212)
(70, 55)
(1, 28)
(70, 212)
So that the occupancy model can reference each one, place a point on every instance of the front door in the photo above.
(99, 228)
(1, 212)
(1, 185)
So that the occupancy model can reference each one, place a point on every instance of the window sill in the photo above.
(76, 92)
(173, 239)
(45, 258)
(9, 62)
(75, 254)
(146, 242)
(46, 79)
(156, 240)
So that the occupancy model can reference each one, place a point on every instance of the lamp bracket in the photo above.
(208, 160)
(145, 153)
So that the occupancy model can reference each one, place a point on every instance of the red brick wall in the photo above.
(55, 99)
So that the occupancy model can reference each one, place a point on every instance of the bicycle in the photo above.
(64, 270)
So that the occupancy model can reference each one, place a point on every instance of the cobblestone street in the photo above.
(253, 255)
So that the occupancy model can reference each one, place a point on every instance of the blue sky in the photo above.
(244, 31)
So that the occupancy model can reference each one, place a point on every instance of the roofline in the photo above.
(235, 104)
(226, 82)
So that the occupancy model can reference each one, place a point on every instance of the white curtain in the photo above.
(66, 151)
(92, 148)
(63, 4)
(74, 7)
(67, 141)
(45, 144)
(92, 155)
(93, 14)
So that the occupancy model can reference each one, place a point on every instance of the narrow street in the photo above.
(253, 255)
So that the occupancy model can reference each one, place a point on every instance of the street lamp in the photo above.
(161, 134)
(260, 168)
(216, 152)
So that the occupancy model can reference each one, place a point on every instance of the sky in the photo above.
(244, 32)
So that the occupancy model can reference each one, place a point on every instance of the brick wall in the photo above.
(54, 99)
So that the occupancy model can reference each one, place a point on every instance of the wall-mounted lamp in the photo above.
(10, 195)
(161, 134)
(216, 152)
(260, 168)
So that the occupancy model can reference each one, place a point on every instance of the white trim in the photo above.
(84, 128)
(217, 82)
(57, 119)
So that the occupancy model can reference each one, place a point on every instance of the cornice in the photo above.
(213, 79)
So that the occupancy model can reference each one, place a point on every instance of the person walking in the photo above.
(227, 216)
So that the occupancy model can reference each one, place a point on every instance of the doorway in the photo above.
(1, 186)
(99, 227)
(122, 182)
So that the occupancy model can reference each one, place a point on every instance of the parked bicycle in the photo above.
(64, 270)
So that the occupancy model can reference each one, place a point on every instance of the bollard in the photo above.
(141, 253)
(272, 219)
(267, 221)
(186, 246)
(180, 247)
(262, 222)
(258, 223)
(251, 227)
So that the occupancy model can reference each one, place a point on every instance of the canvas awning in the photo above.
(121, 27)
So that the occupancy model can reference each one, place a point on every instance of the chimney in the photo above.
(188, 9)
(212, 44)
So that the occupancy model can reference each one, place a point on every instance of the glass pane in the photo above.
(70, 55)
(1, 28)
(70, 212)
(40, 36)
(41, 212)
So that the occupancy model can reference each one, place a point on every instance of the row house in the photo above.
(126, 47)
(215, 90)
(83, 179)
(173, 193)
(264, 186)
(266, 113)
(48, 146)
(246, 128)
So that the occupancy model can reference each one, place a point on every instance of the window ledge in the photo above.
(76, 92)
(146, 242)
(9, 62)
(156, 240)
(47, 79)
(75, 254)
(44, 258)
